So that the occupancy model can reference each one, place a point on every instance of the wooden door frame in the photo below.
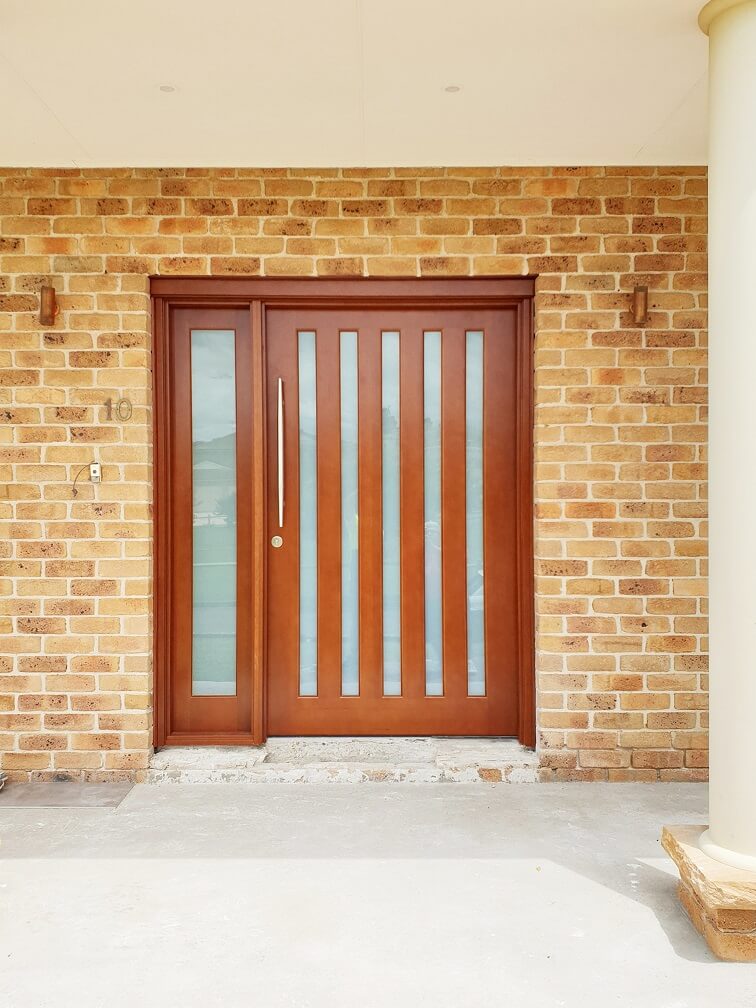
(256, 294)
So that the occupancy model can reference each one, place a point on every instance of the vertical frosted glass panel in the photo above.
(308, 519)
(392, 642)
(434, 678)
(213, 513)
(476, 651)
(350, 576)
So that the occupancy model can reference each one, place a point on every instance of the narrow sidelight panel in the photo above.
(392, 617)
(308, 518)
(213, 385)
(350, 595)
(476, 652)
(434, 680)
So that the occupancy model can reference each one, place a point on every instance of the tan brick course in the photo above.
(620, 477)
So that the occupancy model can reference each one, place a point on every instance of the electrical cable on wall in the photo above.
(75, 492)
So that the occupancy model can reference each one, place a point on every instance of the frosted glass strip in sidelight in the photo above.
(213, 385)
(308, 518)
(476, 651)
(350, 575)
(434, 678)
(392, 632)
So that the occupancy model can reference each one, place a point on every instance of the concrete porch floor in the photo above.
(548, 896)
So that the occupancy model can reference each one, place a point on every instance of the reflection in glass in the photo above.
(308, 519)
(213, 513)
(392, 654)
(350, 581)
(476, 652)
(434, 681)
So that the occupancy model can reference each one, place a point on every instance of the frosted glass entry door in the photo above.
(391, 603)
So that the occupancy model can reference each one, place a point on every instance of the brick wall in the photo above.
(620, 434)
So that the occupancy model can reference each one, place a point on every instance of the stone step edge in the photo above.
(350, 773)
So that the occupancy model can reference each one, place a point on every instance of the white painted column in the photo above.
(731, 26)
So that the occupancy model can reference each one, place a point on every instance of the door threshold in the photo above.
(349, 761)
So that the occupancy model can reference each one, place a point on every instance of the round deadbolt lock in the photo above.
(276, 542)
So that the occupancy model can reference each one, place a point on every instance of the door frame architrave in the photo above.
(255, 294)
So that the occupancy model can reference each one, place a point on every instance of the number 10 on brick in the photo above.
(121, 409)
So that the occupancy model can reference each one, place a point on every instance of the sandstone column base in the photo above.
(720, 901)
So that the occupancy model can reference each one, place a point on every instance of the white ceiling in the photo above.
(351, 82)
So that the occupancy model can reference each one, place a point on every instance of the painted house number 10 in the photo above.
(121, 409)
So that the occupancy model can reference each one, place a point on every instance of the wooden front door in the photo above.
(344, 509)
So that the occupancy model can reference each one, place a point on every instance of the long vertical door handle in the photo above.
(281, 433)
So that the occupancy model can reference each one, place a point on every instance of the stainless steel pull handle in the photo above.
(281, 476)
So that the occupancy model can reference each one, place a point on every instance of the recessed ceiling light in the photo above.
(167, 88)
(452, 88)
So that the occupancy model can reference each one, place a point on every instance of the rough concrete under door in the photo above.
(345, 760)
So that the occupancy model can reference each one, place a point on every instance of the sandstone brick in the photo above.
(661, 760)
(604, 758)
(76, 761)
(24, 761)
(43, 701)
(96, 740)
(68, 722)
(339, 266)
(592, 740)
(41, 743)
(126, 761)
